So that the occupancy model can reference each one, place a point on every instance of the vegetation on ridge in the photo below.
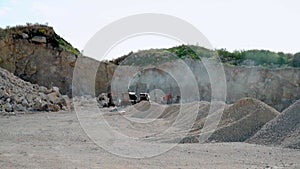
(263, 58)
(32, 30)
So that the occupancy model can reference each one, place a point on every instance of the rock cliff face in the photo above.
(38, 55)
(37, 59)
(278, 88)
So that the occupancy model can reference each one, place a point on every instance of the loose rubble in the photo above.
(17, 95)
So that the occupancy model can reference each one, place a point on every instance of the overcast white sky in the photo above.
(231, 24)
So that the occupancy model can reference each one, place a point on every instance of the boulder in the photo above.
(55, 89)
(52, 107)
(8, 107)
(24, 103)
(25, 36)
(39, 39)
(54, 98)
(4, 94)
(19, 107)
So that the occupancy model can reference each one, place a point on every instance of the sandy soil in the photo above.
(56, 140)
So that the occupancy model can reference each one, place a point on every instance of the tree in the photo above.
(296, 60)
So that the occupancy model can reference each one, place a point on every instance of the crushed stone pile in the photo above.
(242, 120)
(17, 95)
(247, 120)
(170, 113)
(284, 130)
(145, 110)
(238, 123)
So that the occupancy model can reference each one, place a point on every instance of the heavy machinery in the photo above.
(144, 97)
(106, 100)
(128, 98)
(132, 97)
(103, 99)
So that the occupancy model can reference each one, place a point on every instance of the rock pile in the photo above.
(242, 120)
(284, 130)
(238, 123)
(247, 120)
(17, 95)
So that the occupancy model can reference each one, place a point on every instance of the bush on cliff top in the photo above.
(264, 58)
(40, 30)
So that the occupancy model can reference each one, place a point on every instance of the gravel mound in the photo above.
(238, 123)
(284, 130)
(17, 95)
(169, 112)
(145, 110)
(242, 120)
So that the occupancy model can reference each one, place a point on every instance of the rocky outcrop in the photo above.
(37, 55)
(278, 88)
(39, 39)
(17, 95)
(37, 59)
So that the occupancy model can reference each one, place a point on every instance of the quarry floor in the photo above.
(56, 140)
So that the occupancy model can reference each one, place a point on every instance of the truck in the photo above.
(128, 98)
(144, 97)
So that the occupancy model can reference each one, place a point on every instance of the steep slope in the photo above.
(38, 55)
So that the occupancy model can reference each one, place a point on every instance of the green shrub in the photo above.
(67, 46)
(42, 31)
(183, 52)
(296, 60)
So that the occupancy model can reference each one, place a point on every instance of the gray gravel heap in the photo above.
(284, 130)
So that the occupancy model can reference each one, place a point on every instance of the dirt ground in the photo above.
(56, 140)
